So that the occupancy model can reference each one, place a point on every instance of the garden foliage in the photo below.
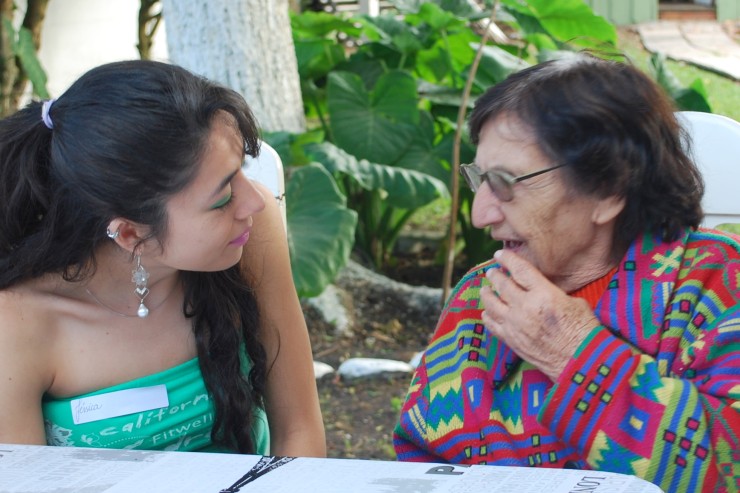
(382, 94)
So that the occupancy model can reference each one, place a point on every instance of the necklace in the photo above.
(116, 312)
(97, 300)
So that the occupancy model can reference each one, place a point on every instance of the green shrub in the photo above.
(384, 101)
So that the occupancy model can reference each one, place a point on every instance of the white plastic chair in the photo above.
(267, 169)
(715, 143)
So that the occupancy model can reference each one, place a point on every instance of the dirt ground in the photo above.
(359, 415)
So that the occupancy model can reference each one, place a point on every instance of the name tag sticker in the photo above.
(118, 403)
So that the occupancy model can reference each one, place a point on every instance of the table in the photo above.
(41, 469)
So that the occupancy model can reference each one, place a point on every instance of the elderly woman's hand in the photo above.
(532, 316)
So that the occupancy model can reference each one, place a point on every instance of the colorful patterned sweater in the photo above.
(653, 392)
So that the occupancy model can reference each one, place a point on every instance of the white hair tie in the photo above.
(45, 116)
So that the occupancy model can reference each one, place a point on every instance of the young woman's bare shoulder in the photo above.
(268, 237)
(26, 363)
(26, 323)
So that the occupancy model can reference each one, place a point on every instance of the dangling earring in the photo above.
(140, 276)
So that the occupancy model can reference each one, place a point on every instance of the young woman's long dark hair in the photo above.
(126, 137)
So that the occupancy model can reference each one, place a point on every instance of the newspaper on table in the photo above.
(38, 469)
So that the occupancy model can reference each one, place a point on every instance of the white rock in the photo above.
(320, 369)
(331, 308)
(367, 367)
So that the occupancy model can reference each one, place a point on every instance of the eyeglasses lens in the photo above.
(497, 182)
(472, 178)
(500, 187)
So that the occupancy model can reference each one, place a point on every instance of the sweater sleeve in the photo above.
(412, 433)
(672, 421)
(434, 406)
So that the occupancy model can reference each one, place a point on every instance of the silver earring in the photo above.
(112, 234)
(139, 276)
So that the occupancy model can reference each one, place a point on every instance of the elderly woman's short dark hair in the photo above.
(617, 132)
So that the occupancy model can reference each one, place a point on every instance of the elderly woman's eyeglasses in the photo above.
(500, 182)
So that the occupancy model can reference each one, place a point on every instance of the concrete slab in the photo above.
(701, 43)
(710, 36)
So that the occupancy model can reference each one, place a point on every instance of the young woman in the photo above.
(146, 298)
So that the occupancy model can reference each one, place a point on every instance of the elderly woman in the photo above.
(606, 333)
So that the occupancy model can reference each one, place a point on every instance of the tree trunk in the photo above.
(244, 44)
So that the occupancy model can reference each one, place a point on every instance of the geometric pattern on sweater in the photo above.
(653, 391)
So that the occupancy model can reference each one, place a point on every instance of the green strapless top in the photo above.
(184, 425)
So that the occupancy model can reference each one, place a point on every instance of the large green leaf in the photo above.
(374, 125)
(320, 228)
(404, 188)
(423, 155)
(495, 65)
(384, 27)
(460, 8)
(441, 95)
(369, 68)
(321, 24)
(692, 98)
(289, 146)
(446, 60)
(437, 18)
(444, 149)
(317, 57)
(567, 20)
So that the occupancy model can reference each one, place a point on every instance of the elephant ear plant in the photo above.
(382, 96)
(385, 196)
(383, 142)
(320, 228)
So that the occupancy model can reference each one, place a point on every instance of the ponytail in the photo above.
(25, 148)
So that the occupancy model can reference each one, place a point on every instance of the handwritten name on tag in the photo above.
(118, 403)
